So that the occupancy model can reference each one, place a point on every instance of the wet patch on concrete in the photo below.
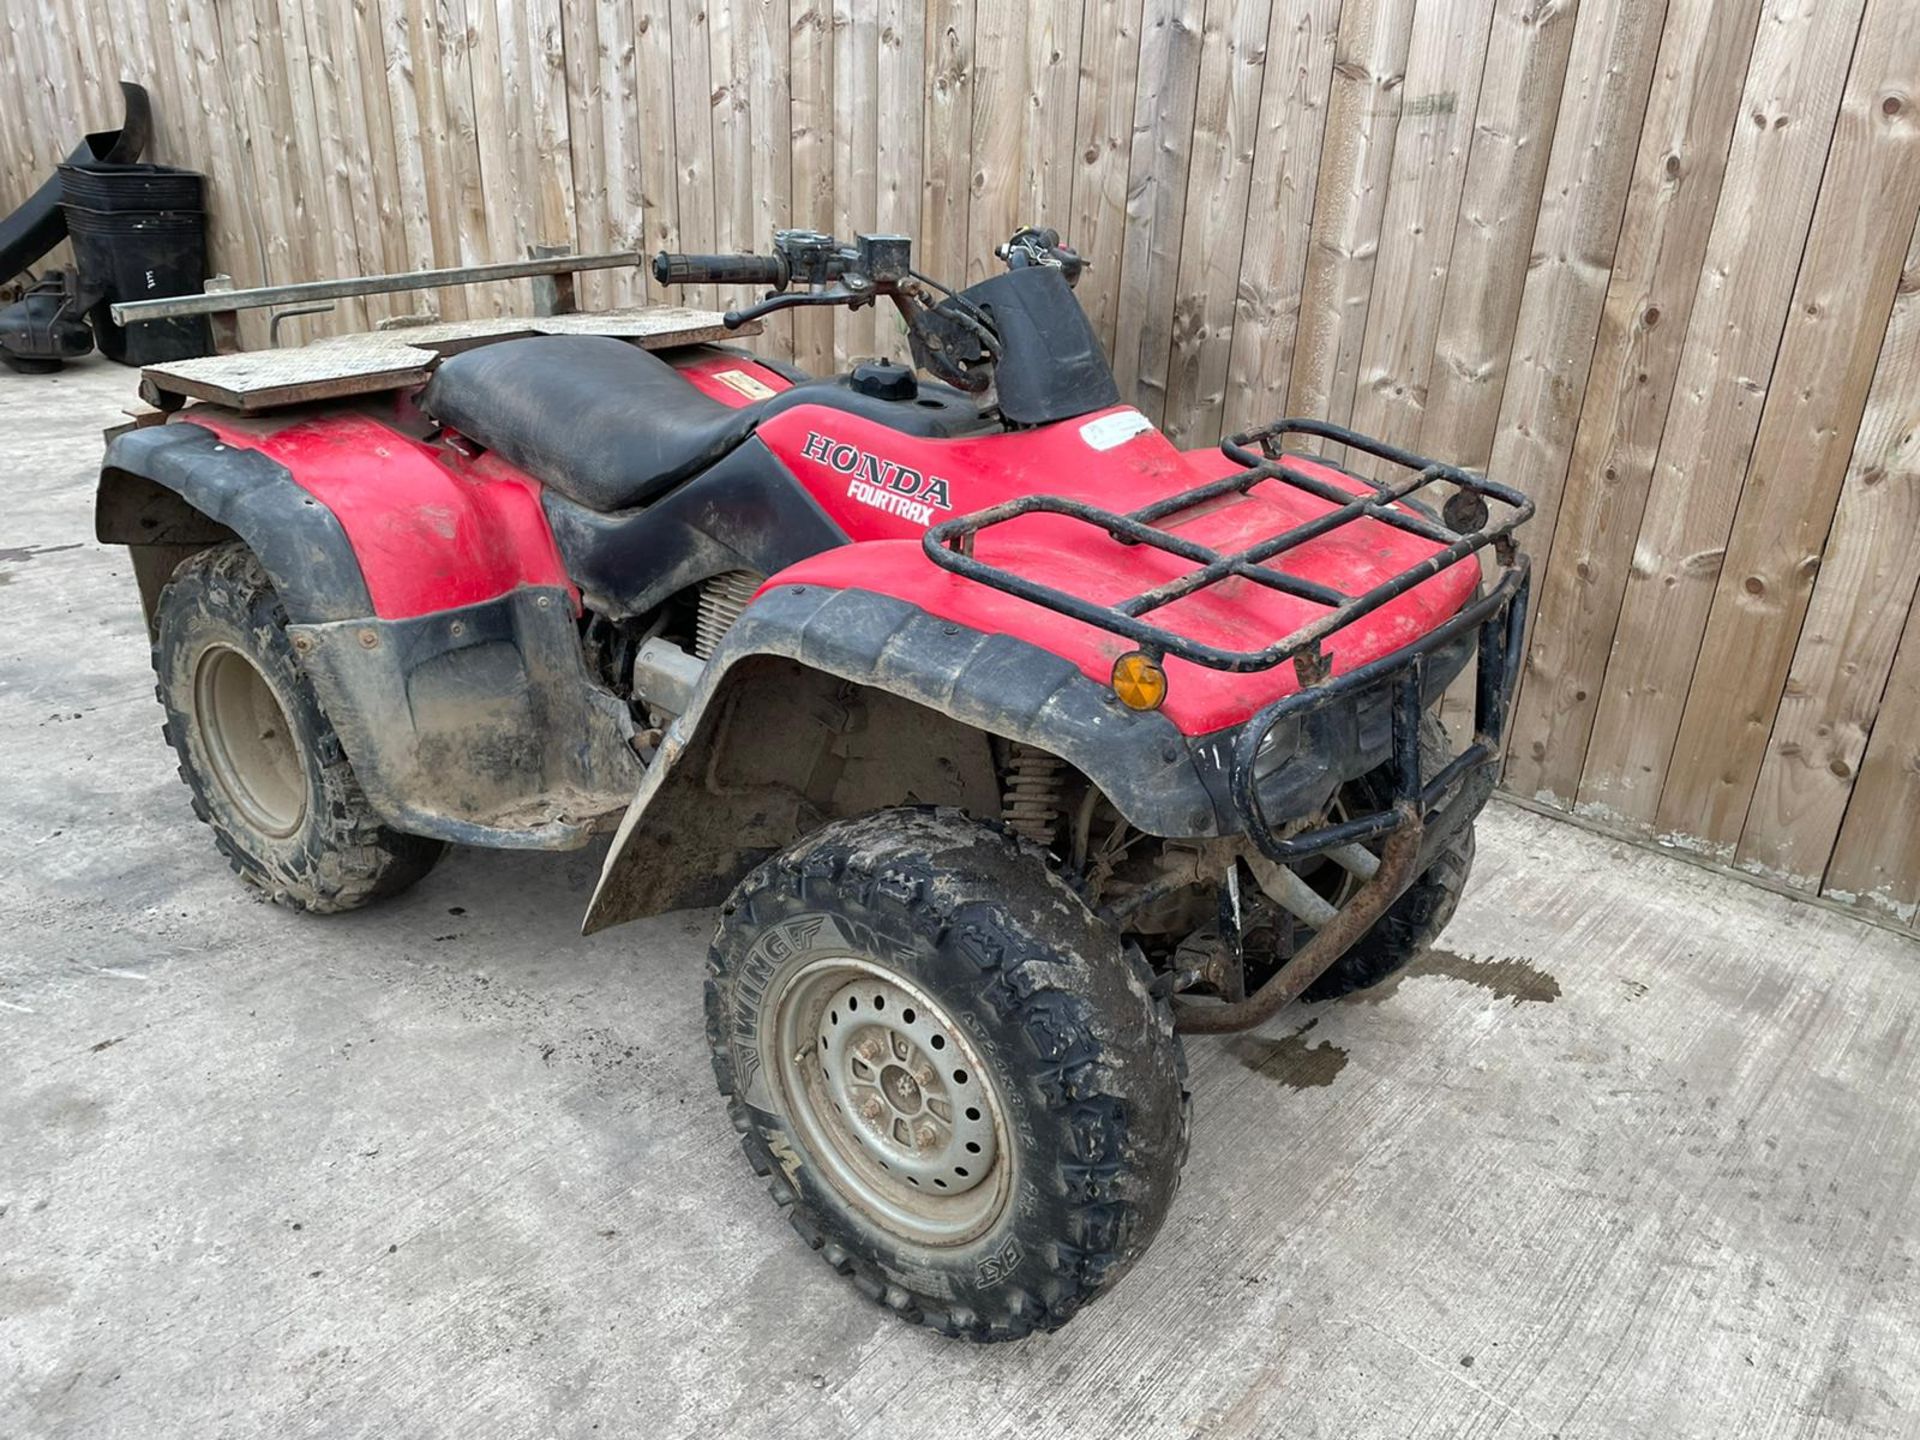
(1508, 977)
(1290, 1059)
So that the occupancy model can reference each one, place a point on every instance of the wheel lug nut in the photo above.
(925, 1136)
(871, 1109)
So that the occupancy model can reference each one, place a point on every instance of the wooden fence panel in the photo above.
(1828, 354)
(1674, 194)
(1773, 174)
(1642, 256)
(1832, 696)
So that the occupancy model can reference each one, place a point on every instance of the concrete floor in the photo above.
(1635, 1155)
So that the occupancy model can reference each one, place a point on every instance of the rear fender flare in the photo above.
(926, 687)
(175, 488)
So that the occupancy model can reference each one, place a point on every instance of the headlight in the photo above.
(1279, 747)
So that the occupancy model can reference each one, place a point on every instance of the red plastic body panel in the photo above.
(435, 529)
(885, 488)
(432, 529)
(731, 379)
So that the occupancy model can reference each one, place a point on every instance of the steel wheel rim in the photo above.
(891, 1101)
(249, 744)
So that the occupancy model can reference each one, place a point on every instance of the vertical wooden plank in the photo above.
(1835, 326)
(1103, 143)
(1169, 78)
(418, 82)
(902, 61)
(651, 112)
(15, 159)
(1672, 199)
(1602, 106)
(454, 34)
(1233, 60)
(404, 240)
(1050, 115)
(621, 145)
(768, 25)
(1000, 123)
(693, 141)
(340, 147)
(948, 150)
(332, 246)
(810, 51)
(1845, 652)
(1349, 200)
(1528, 49)
(587, 105)
(280, 221)
(1876, 863)
(752, 142)
(1457, 410)
(856, 146)
(551, 158)
(233, 207)
(731, 89)
(1273, 258)
(1773, 174)
(1445, 62)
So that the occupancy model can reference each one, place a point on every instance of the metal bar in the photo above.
(1329, 943)
(1248, 562)
(1286, 889)
(1243, 782)
(172, 307)
(1356, 860)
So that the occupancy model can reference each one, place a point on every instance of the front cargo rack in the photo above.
(1434, 804)
(1468, 528)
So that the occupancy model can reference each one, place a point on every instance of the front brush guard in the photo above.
(1425, 813)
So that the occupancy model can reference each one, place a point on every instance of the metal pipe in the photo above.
(172, 307)
(1328, 944)
(1356, 860)
(1287, 890)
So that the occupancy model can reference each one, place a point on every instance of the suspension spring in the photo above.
(1032, 801)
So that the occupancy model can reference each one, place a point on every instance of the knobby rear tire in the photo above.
(336, 854)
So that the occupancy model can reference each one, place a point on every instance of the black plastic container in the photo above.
(108, 188)
(136, 255)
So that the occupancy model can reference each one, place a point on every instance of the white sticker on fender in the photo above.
(1116, 429)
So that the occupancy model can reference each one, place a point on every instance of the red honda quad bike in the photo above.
(1012, 741)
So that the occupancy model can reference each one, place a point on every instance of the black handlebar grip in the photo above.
(672, 269)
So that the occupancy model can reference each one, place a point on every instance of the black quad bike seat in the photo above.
(612, 427)
(605, 423)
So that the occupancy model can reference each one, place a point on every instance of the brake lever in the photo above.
(734, 319)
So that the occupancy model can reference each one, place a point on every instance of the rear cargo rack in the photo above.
(1468, 528)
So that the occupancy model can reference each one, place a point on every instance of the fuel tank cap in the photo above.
(884, 380)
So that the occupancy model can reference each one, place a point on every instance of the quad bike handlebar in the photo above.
(951, 336)
(671, 269)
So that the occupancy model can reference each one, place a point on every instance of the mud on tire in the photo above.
(1086, 1078)
(279, 794)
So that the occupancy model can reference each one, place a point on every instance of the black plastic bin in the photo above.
(105, 187)
(127, 255)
